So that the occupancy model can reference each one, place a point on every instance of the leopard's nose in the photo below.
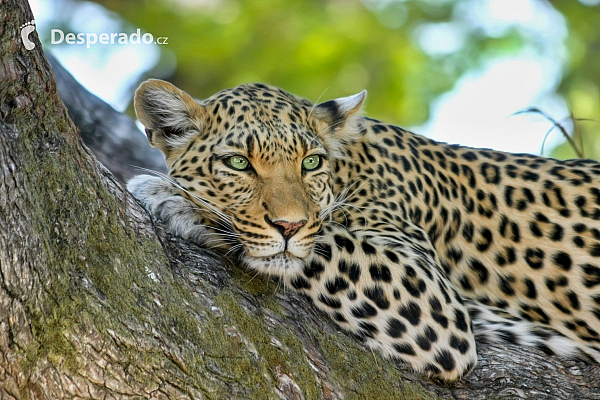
(286, 228)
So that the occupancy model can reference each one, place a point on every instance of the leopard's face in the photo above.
(267, 184)
(253, 160)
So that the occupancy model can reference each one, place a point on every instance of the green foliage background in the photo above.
(333, 48)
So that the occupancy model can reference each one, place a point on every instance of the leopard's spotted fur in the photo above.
(414, 246)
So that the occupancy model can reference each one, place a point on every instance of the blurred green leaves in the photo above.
(331, 48)
(581, 82)
(312, 48)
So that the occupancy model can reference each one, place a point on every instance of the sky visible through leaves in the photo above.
(455, 71)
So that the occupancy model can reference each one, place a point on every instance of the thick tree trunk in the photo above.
(97, 302)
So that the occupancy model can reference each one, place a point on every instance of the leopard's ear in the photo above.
(339, 118)
(337, 112)
(171, 116)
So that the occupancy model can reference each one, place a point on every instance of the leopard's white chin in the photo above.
(281, 264)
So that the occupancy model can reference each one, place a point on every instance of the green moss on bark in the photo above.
(277, 350)
(367, 376)
(97, 271)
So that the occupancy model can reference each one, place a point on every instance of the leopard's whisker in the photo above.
(316, 103)
(234, 248)
(251, 279)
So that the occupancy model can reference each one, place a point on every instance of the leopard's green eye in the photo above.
(311, 162)
(238, 162)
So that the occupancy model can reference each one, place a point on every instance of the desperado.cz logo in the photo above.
(57, 36)
(26, 30)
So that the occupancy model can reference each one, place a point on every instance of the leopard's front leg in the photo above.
(388, 290)
(165, 201)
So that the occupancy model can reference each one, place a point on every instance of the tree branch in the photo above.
(112, 136)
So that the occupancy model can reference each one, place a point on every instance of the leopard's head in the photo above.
(255, 160)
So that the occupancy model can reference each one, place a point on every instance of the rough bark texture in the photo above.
(97, 302)
(113, 137)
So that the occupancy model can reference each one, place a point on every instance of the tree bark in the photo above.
(113, 137)
(96, 301)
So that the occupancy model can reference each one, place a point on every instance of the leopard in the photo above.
(419, 249)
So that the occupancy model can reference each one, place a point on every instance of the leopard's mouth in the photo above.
(280, 264)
